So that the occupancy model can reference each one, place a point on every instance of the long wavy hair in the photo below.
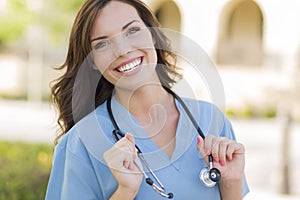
(80, 47)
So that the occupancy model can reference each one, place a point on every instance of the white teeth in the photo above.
(130, 66)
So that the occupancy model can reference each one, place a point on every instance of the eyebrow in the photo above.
(123, 28)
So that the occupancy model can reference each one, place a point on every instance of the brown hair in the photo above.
(79, 49)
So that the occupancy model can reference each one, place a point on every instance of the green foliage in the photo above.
(58, 17)
(270, 113)
(13, 21)
(67, 5)
(54, 16)
(247, 113)
(8, 96)
(230, 112)
(24, 170)
(251, 112)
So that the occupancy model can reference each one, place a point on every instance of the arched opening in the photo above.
(241, 34)
(169, 15)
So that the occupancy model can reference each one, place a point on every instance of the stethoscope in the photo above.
(209, 175)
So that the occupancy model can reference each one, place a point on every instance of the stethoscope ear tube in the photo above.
(209, 176)
(160, 189)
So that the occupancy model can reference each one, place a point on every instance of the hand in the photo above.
(228, 156)
(121, 159)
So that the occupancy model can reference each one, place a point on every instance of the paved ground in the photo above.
(263, 139)
(30, 122)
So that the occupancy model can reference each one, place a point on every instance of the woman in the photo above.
(120, 41)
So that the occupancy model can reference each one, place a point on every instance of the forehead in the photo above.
(113, 17)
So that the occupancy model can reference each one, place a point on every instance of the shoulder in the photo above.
(88, 137)
(203, 107)
(210, 118)
(76, 156)
(71, 146)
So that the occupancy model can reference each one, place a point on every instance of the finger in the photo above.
(121, 155)
(223, 149)
(107, 157)
(208, 141)
(215, 149)
(131, 141)
(114, 158)
(200, 146)
(124, 145)
(240, 149)
(230, 150)
(130, 138)
(127, 160)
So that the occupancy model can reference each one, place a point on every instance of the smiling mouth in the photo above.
(130, 66)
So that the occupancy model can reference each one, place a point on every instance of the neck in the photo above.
(155, 110)
(143, 98)
(150, 105)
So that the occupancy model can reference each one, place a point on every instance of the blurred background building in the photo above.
(255, 45)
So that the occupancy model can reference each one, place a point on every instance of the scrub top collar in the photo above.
(157, 158)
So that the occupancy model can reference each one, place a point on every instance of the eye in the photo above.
(132, 31)
(101, 45)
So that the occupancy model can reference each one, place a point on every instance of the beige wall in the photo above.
(255, 44)
(236, 31)
(261, 35)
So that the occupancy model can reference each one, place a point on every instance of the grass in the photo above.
(24, 170)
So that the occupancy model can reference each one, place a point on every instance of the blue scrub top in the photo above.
(80, 172)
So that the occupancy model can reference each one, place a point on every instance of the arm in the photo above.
(229, 158)
(123, 194)
(231, 190)
(121, 160)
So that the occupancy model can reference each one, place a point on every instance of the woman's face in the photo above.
(123, 48)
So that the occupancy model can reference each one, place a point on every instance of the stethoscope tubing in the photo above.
(161, 189)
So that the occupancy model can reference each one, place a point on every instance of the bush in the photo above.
(24, 170)
(251, 112)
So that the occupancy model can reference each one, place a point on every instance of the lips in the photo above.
(129, 66)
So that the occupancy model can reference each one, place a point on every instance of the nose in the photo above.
(122, 46)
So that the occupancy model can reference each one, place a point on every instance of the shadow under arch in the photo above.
(168, 13)
(240, 37)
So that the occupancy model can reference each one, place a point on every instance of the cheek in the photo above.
(152, 56)
(101, 63)
(151, 52)
(142, 41)
(147, 47)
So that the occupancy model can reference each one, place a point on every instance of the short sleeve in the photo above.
(72, 177)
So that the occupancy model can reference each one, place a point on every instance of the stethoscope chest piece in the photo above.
(209, 177)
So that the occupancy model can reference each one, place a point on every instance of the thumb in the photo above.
(130, 137)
